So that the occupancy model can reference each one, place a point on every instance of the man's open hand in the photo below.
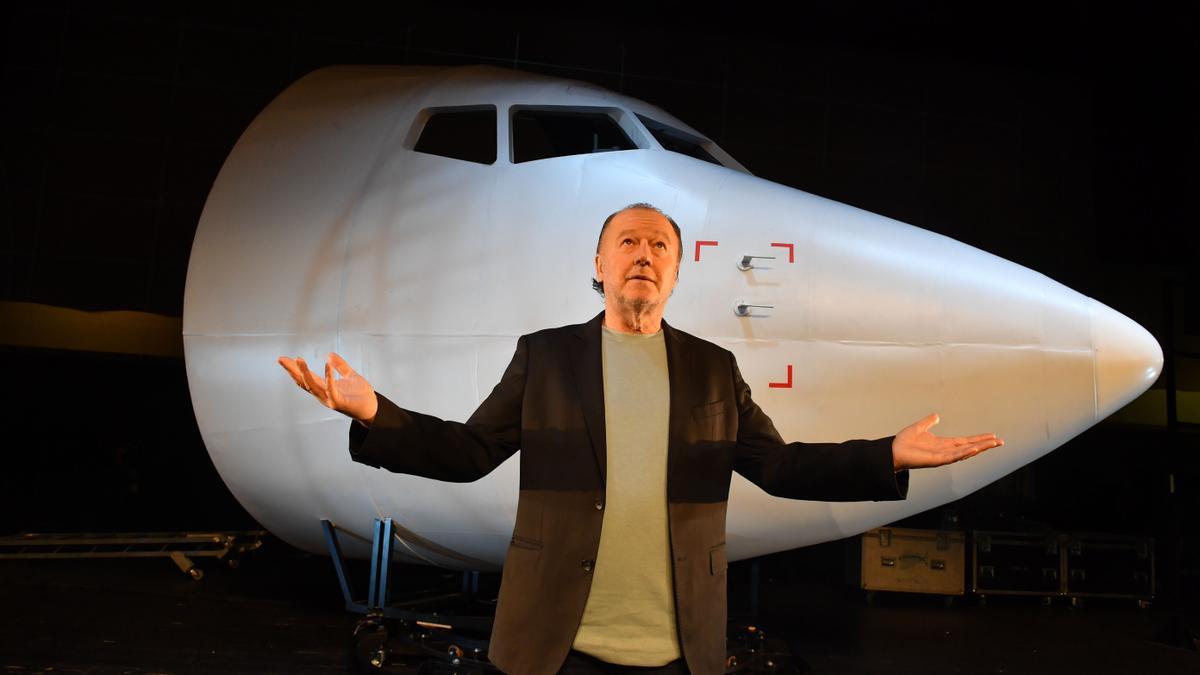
(349, 394)
(915, 448)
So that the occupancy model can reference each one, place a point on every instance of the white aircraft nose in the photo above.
(1128, 359)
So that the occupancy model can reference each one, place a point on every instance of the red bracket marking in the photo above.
(783, 385)
(791, 251)
(700, 243)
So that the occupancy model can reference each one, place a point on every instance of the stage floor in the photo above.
(280, 611)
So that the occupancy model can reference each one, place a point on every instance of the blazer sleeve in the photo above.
(856, 470)
(404, 441)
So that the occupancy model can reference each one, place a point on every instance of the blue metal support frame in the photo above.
(470, 582)
(376, 568)
(378, 593)
(378, 588)
(335, 552)
(385, 536)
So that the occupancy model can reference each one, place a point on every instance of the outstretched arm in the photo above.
(848, 471)
(405, 441)
(854, 470)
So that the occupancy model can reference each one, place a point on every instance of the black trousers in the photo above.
(578, 663)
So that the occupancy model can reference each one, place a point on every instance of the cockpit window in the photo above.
(678, 141)
(467, 134)
(541, 133)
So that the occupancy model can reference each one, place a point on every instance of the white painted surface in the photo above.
(324, 231)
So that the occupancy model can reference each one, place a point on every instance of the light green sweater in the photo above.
(630, 614)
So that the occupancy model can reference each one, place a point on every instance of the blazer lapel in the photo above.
(678, 368)
(589, 383)
(588, 370)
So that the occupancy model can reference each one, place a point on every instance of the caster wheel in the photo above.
(370, 644)
(196, 573)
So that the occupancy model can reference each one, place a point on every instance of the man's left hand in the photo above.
(915, 448)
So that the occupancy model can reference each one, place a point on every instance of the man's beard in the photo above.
(637, 306)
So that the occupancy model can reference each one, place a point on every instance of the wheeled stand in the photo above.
(388, 631)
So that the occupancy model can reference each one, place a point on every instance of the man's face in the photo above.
(638, 262)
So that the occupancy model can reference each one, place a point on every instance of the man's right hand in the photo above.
(350, 394)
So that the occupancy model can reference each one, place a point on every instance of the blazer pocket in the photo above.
(706, 410)
(717, 562)
(526, 542)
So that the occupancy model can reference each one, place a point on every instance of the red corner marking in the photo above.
(791, 251)
(783, 385)
(700, 243)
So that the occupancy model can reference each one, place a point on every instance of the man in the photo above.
(628, 431)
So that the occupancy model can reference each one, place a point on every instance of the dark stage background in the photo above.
(1062, 137)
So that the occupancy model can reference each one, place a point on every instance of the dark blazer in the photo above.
(550, 405)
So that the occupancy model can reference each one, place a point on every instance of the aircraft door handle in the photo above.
(742, 308)
(747, 261)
